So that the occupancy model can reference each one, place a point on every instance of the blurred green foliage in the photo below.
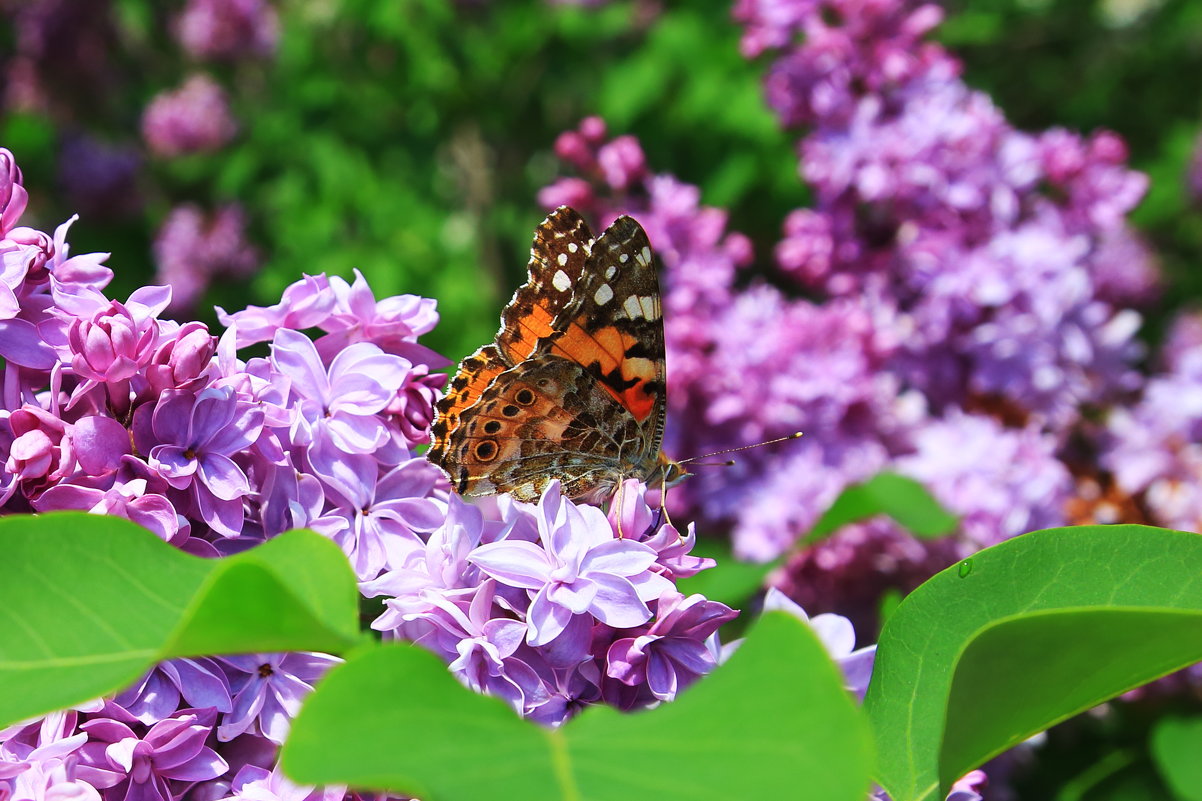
(410, 139)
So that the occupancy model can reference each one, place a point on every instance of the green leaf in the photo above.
(1175, 745)
(1023, 635)
(89, 602)
(774, 722)
(903, 499)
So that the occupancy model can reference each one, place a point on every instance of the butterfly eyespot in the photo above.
(509, 410)
(492, 427)
(524, 396)
(485, 451)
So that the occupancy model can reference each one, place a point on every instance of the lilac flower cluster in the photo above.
(975, 292)
(193, 248)
(112, 409)
(550, 609)
(195, 118)
(1152, 447)
(1007, 253)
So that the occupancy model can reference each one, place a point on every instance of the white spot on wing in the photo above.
(561, 281)
(610, 272)
(562, 259)
(645, 256)
(603, 295)
(625, 257)
(573, 247)
(632, 307)
(649, 310)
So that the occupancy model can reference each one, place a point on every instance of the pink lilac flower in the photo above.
(253, 783)
(193, 248)
(267, 691)
(1151, 447)
(194, 118)
(228, 29)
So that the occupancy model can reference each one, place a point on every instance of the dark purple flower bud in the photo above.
(113, 344)
(413, 407)
(181, 358)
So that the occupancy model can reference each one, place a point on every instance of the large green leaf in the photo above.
(1176, 744)
(1023, 635)
(903, 499)
(774, 722)
(89, 602)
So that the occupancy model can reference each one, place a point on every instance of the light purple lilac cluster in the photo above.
(550, 609)
(976, 291)
(110, 408)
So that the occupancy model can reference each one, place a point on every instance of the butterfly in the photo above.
(573, 387)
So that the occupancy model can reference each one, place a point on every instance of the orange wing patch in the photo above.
(608, 353)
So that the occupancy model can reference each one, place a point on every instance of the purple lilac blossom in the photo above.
(549, 609)
(195, 118)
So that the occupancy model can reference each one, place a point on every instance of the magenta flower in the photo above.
(142, 768)
(673, 652)
(305, 304)
(581, 568)
(200, 434)
(268, 690)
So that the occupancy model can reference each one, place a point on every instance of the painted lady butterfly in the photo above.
(573, 387)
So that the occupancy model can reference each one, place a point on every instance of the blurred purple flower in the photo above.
(194, 118)
(228, 29)
(268, 690)
(192, 249)
(100, 178)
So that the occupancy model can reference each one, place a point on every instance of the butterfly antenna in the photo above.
(795, 435)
